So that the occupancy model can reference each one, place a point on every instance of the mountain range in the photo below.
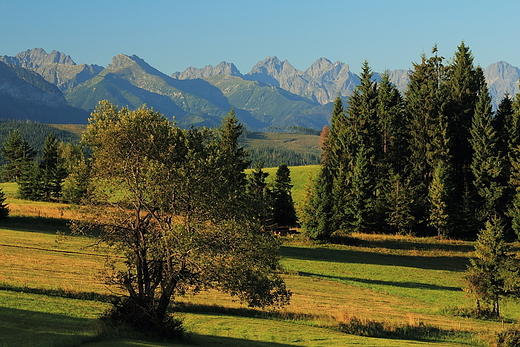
(52, 88)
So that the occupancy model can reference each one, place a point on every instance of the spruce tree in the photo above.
(17, 152)
(426, 128)
(390, 127)
(4, 207)
(488, 162)
(439, 195)
(359, 206)
(336, 164)
(30, 182)
(51, 171)
(492, 273)
(464, 85)
(283, 205)
(399, 205)
(230, 179)
(262, 196)
(316, 213)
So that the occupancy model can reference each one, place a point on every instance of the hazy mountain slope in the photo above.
(130, 81)
(267, 103)
(502, 78)
(25, 95)
(321, 82)
(221, 69)
(56, 67)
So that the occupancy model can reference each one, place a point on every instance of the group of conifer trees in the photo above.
(436, 160)
(52, 177)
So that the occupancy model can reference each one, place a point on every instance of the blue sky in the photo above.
(173, 35)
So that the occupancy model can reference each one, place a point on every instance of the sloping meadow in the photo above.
(51, 293)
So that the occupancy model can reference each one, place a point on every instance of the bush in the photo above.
(4, 209)
(508, 338)
(370, 328)
(126, 315)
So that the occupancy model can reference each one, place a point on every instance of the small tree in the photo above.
(438, 193)
(283, 204)
(399, 202)
(4, 208)
(30, 182)
(17, 152)
(261, 196)
(492, 273)
(51, 171)
(316, 212)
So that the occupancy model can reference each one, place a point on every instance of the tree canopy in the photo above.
(174, 203)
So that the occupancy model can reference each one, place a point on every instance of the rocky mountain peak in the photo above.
(223, 68)
(37, 57)
(121, 61)
(273, 66)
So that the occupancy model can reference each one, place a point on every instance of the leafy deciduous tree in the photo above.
(161, 193)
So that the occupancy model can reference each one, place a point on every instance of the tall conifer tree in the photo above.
(488, 161)
(426, 128)
(464, 86)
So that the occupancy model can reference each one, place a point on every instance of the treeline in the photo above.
(60, 173)
(273, 157)
(34, 133)
(436, 160)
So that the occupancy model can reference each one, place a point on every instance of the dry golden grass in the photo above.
(47, 258)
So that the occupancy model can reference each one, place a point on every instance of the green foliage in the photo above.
(52, 170)
(316, 213)
(439, 195)
(35, 134)
(399, 202)
(18, 154)
(508, 338)
(262, 197)
(284, 212)
(4, 207)
(190, 225)
(493, 273)
(30, 182)
(488, 163)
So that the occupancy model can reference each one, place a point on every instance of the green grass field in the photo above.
(50, 294)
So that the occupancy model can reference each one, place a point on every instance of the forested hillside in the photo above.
(35, 134)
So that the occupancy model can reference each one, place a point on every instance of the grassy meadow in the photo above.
(50, 294)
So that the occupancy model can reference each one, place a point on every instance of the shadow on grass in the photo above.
(62, 293)
(186, 307)
(458, 264)
(208, 340)
(423, 246)
(36, 224)
(29, 328)
(413, 285)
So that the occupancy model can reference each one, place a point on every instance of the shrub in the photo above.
(370, 328)
(4, 209)
(126, 315)
(508, 338)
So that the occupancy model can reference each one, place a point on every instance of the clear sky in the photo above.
(172, 35)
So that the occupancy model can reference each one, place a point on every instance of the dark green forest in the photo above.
(434, 161)
(34, 133)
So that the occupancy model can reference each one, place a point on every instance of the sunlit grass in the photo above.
(392, 279)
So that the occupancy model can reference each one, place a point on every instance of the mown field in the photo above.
(50, 294)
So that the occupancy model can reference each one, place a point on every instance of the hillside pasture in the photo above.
(51, 293)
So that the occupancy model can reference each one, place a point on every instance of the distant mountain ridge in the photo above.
(24, 94)
(56, 67)
(273, 94)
